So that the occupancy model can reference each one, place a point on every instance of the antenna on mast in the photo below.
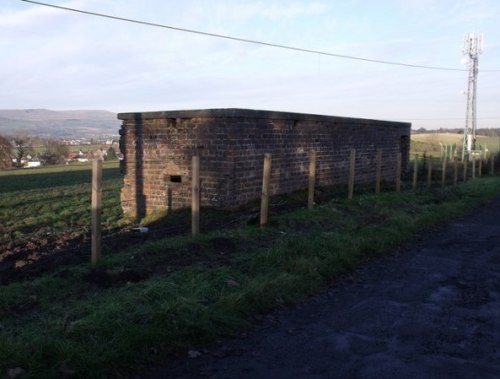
(473, 46)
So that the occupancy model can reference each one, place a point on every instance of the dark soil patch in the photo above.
(45, 251)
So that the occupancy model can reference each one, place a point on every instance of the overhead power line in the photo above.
(245, 40)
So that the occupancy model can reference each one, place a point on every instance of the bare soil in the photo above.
(46, 251)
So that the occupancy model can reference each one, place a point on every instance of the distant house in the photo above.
(71, 156)
(32, 164)
(77, 156)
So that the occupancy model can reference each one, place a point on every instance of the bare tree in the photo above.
(5, 153)
(23, 149)
(54, 153)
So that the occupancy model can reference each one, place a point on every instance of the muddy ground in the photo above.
(429, 310)
(44, 250)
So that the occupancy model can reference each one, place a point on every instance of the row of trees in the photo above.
(15, 151)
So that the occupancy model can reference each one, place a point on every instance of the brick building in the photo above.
(158, 147)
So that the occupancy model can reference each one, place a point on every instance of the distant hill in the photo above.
(59, 124)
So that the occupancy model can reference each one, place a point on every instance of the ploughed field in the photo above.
(45, 216)
(45, 220)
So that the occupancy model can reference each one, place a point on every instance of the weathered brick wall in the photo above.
(158, 147)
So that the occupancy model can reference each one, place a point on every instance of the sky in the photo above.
(63, 60)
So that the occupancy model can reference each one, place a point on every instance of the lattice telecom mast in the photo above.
(473, 46)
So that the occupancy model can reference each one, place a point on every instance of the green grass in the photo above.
(193, 290)
(55, 200)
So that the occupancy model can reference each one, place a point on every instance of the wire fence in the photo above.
(424, 173)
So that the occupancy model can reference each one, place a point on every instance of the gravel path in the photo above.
(431, 310)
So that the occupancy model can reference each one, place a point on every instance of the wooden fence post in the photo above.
(264, 205)
(378, 175)
(443, 174)
(473, 167)
(455, 172)
(415, 172)
(429, 172)
(312, 178)
(492, 164)
(465, 169)
(96, 210)
(480, 168)
(398, 172)
(352, 164)
(195, 196)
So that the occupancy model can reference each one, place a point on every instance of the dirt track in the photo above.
(431, 310)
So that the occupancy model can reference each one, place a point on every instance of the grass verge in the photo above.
(144, 304)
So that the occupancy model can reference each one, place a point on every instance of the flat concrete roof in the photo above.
(252, 113)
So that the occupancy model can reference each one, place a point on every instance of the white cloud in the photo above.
(59, 59)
